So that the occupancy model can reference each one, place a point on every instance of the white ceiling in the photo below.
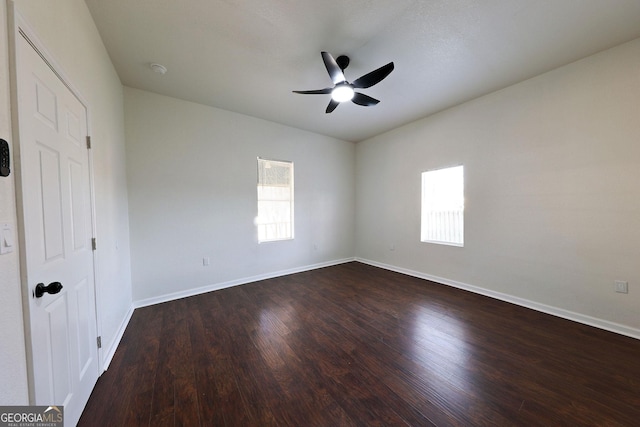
(248, 55)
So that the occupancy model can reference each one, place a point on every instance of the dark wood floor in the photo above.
(357, 345)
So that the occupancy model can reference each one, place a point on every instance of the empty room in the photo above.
(297, 213)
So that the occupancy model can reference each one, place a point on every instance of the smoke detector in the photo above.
(158, 68)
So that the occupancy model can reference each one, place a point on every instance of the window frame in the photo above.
(290, 224)
(453, 217)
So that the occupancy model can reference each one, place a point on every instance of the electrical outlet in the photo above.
(206, 261)
(622, 287)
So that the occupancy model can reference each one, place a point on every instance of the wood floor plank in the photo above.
(300, 391)
(206, 373)
(355, 345)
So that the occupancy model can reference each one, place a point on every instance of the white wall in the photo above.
(67, 31)
(192, 194)
(13, 367)
(552, 175)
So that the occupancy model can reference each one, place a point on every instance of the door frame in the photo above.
(19, 27)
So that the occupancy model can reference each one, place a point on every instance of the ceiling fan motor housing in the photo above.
(343, 61)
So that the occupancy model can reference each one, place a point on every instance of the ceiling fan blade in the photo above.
(373, 77)
(333, 68)
(332, 106)
(314, 92)
(364, 100)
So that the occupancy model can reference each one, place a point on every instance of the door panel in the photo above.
(78, 225)
(59, 359)
(74, 129)
(83, 332)
(50, 203)
(46, 104)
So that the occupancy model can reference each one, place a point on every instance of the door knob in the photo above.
(52, 288)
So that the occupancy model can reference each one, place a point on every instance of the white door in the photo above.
(56, 215)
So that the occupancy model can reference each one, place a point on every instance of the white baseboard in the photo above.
(109, 352)
(555, 311)
(242, 281)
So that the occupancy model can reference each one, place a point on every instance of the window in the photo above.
(275, 200)
(443, 206)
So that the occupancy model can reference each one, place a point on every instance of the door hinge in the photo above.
(99, 340)
(88, 142)
(94, 243)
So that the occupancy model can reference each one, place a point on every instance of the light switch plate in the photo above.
(7, 239)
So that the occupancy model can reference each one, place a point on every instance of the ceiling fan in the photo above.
(342, 90)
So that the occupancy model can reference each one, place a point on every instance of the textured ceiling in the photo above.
(248, 55)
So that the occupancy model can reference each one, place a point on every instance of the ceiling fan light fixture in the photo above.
(342, 93)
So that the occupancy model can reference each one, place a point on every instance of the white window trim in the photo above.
(453, 234)
(290, 223)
